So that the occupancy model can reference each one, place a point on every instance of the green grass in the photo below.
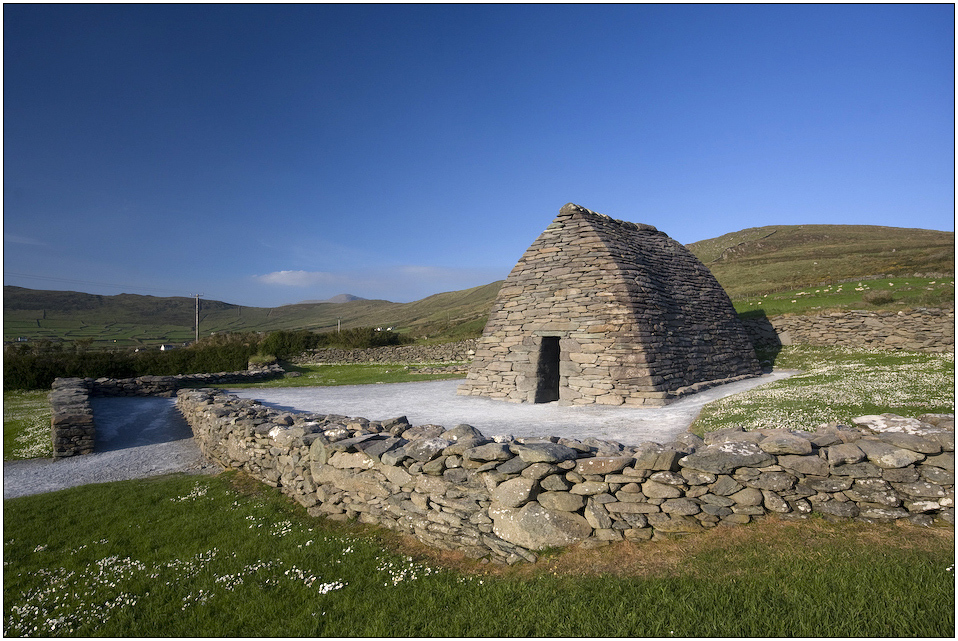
(226, 556)
(324, 374)
(26, 425)
(762, 260)
(881, 294)
(835, 385)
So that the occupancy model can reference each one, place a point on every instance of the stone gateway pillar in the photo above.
(611, 312)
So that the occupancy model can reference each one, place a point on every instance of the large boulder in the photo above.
(544, 452)
(879, 423)
(514, 492)
(725, 458)
(888, 456)
(536, 527)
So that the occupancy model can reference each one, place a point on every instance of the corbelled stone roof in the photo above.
(638, 318)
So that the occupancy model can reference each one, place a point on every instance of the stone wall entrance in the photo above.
(547, 370)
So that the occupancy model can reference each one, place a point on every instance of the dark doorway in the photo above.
(547, 370)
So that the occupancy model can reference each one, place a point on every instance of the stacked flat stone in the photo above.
(507, 498)
(921, 330)
(71, 427)
(444, 353)
(640, 320)
(158, 386)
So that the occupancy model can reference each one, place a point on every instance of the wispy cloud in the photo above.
(21, 240)
(401, 283)
(298, 278)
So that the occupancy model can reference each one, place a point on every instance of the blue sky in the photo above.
(264, 155)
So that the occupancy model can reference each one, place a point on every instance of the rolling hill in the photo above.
(129, 320)
(747, 263)
(762, 260)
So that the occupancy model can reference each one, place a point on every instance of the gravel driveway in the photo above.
(141, 437)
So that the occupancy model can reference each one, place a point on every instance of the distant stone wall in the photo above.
(72, 427)
(507, 498)
(461, 351)
(924, 330)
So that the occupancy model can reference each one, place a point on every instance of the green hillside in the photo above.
(130, 320)
(762, 260)
(751, 263)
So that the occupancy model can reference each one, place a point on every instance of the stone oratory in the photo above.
(603, 311)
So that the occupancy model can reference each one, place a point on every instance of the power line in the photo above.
(90, 282)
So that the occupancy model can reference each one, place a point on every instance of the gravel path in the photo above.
(142, 437)
(435, 402)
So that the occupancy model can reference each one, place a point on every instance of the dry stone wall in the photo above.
(445, 353)
(507, 498)
(72, 428)
(923, 330)
(604, 311)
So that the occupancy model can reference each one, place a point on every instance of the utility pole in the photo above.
(197, 296)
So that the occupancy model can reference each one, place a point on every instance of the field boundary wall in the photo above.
(920, 330)
(457, 352)
(505, 499)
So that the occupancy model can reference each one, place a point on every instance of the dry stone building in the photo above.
(611, 312)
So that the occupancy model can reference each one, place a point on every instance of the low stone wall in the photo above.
(445, 353)
(924, 330)
(72, 427)
(506, 498)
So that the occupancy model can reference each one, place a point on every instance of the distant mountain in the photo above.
(342, 298)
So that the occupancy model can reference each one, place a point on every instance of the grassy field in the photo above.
(761, 260)
(835, 385)
(26, 425)
(885, 294)
(226, 556)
